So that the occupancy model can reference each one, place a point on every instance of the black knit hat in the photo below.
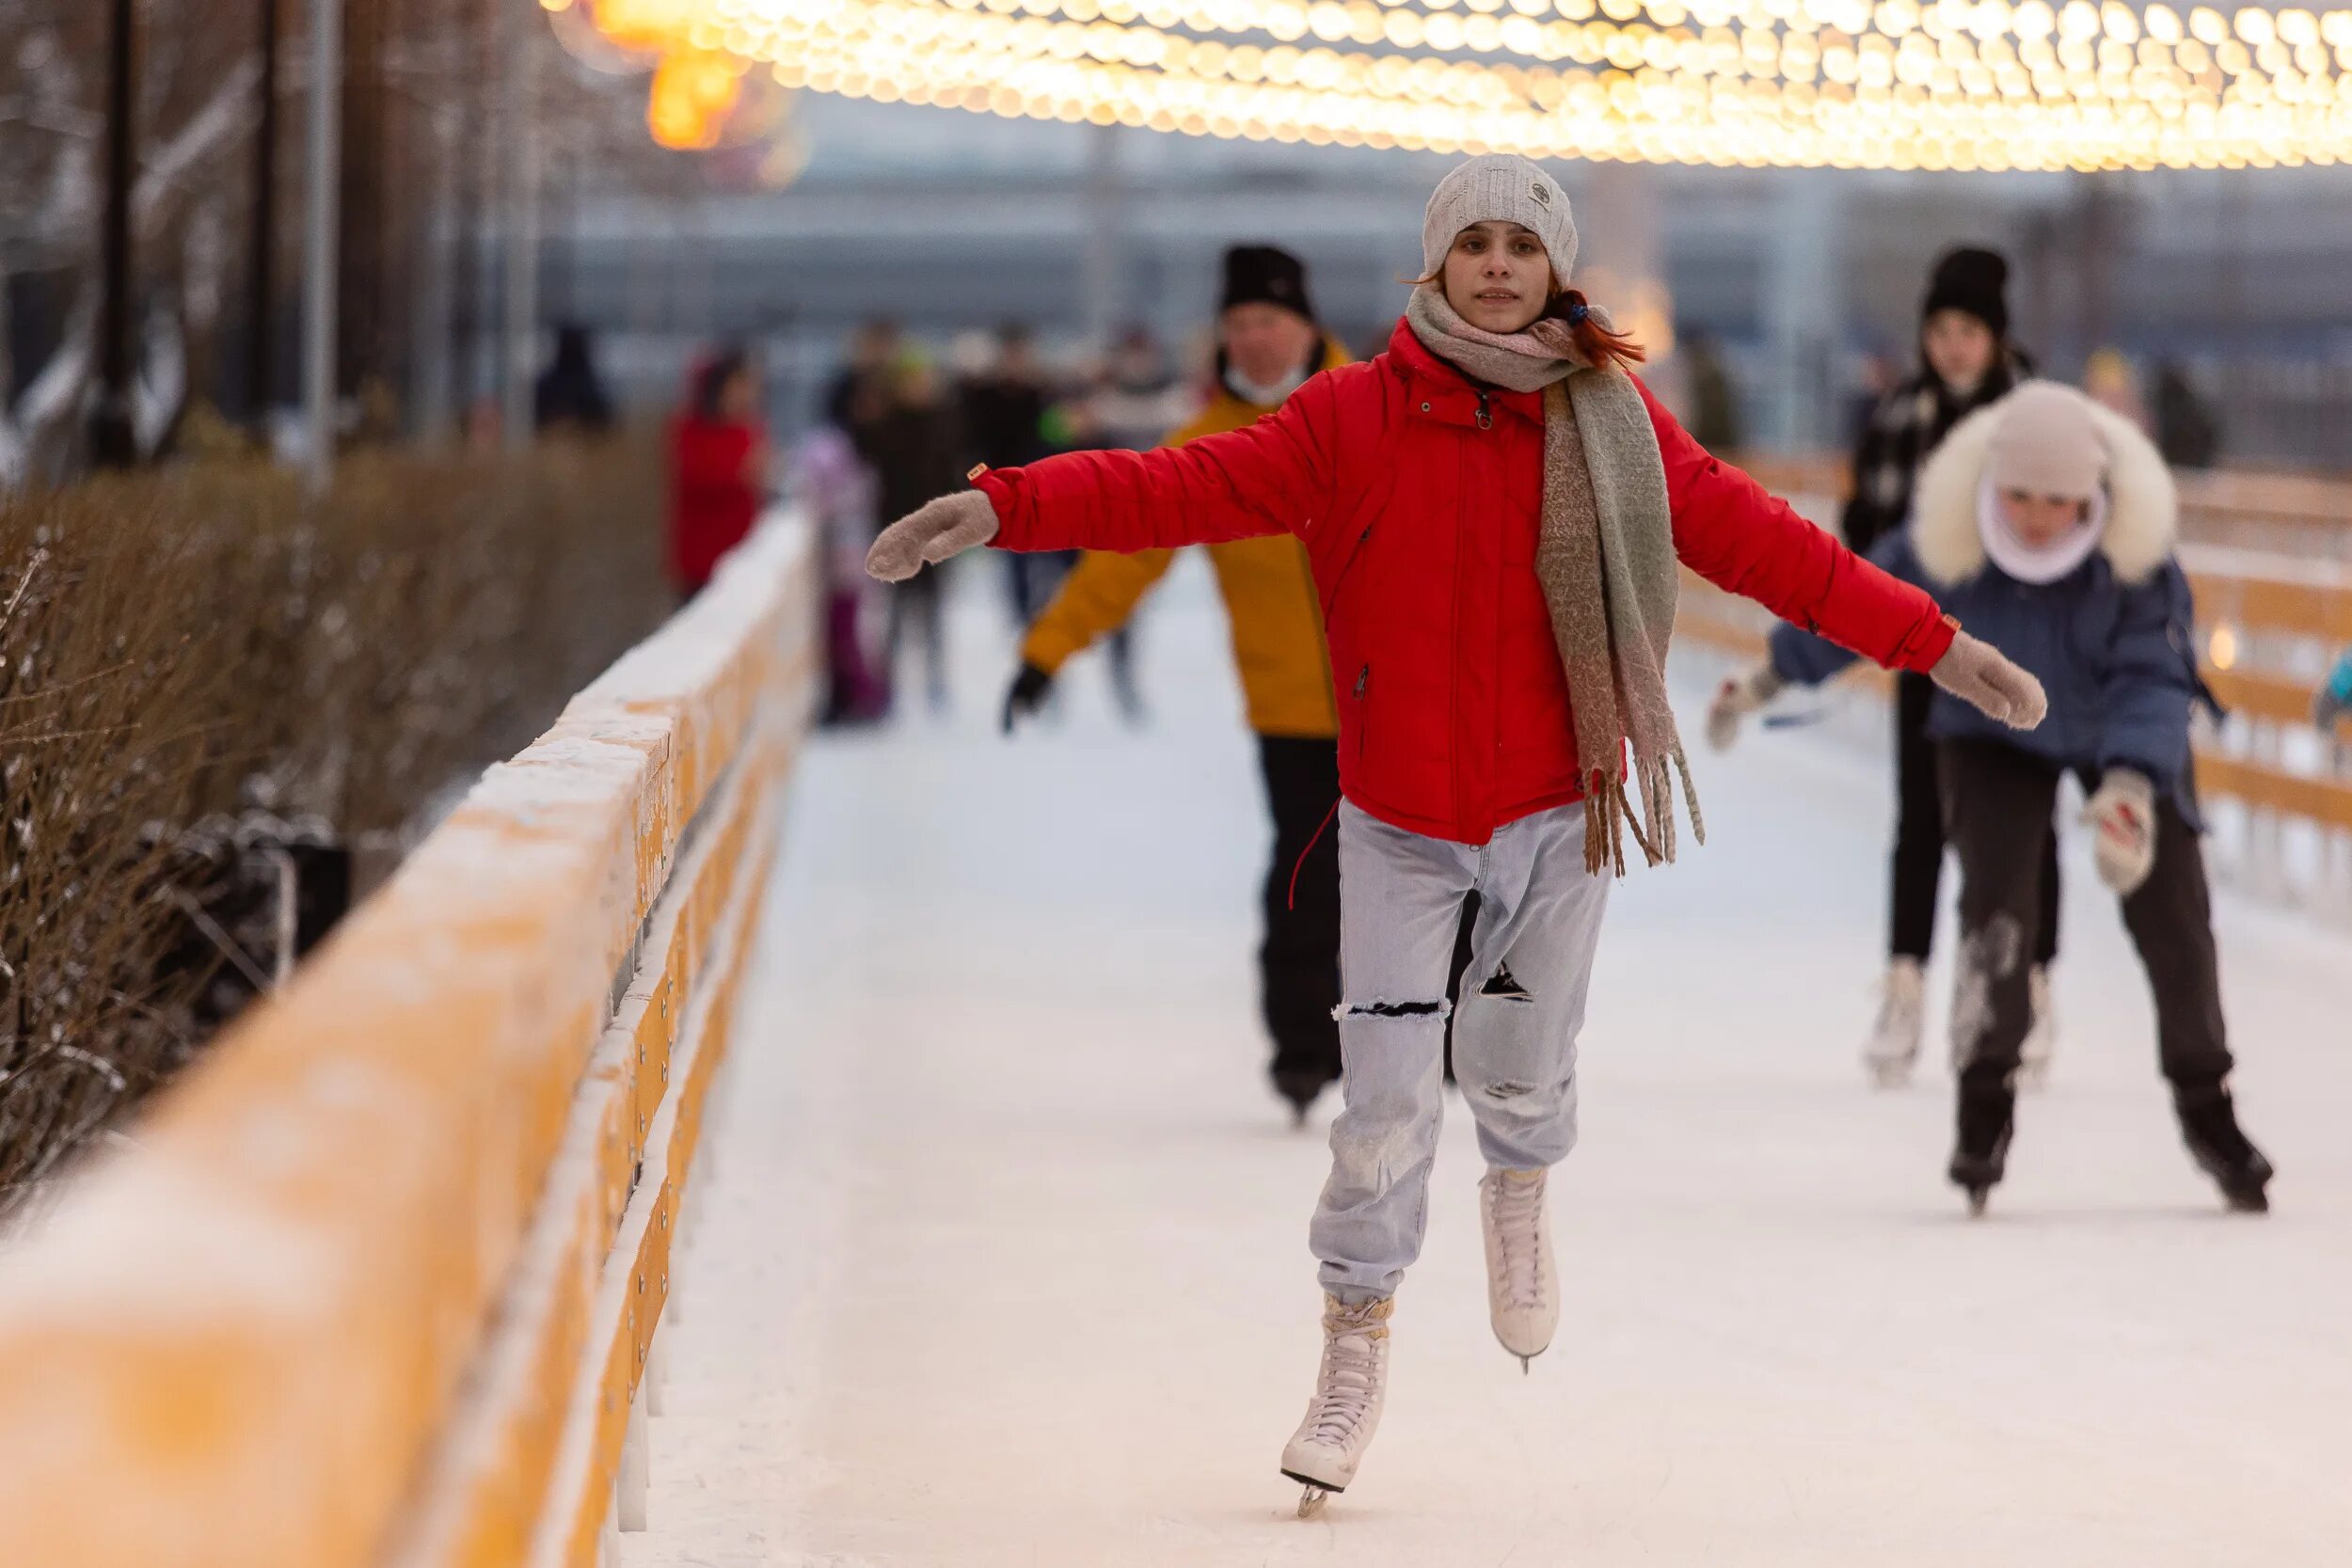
(1262, 274)
(1972, 281)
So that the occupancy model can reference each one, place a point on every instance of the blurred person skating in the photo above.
(1140, 397)
(569, 398)
(1714, 402)
(858, 390)
(837, 491)
(2187, 432)
(1870, 379)
(2333, 703)
(1269, 342)
(2048, 522)
(912, 436)
(1965, 362)
(1494, 510)
(2112, 381)
(1138, 400)
(1004, 418)
(718, 468)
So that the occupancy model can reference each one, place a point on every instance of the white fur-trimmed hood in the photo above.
(2143, 515)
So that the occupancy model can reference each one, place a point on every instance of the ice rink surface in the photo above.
(1003, 1264)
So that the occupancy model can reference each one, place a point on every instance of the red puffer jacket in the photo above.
(713, 499)
(1418, 494)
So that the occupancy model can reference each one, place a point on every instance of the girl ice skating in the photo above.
(2048, 522)
(1493, 509)
(1967, 361)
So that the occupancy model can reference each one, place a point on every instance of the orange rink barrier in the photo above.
(377, 1282)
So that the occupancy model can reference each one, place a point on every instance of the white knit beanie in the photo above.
(2046, 442)
(1500, 187)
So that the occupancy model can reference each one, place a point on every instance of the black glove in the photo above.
(1029, 690)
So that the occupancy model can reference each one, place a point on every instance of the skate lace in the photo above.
(1351, 1375)
(1514, 1209)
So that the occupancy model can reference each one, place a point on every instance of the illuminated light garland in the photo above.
(1954, 84)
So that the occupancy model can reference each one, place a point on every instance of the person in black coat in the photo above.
(1966, 362)
(1003, 419)
(570, 397)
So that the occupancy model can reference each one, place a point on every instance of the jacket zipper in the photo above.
(1354, 554)
(1454, 740)
(1363, 713)
(1486, 409)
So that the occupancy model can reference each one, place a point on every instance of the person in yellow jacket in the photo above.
(1269, 343)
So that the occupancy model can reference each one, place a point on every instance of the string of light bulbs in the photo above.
(1958, 84)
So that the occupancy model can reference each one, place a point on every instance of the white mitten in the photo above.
(2124, 815)
(1738, 697)
(1981, 675)
(933, 532)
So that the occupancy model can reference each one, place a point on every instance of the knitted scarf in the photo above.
(1606, 559)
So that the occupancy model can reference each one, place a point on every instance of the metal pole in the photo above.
(261, 326)
(113, 443)
(443, 233)
(318, 241)
(522, 227)
(1801, 282)
(472, 32)
(1103, 253)
(362, 304)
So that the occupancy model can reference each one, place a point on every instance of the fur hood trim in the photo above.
(2143, 515)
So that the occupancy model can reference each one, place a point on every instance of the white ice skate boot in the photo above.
(1894, 1043)
(1522, 1291)
(2033, 1056)
(1346, 1410)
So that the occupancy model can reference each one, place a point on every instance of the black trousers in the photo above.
(1918, 862)
(1997, 801)
(1298, 962)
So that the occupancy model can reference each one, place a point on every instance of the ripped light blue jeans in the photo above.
(1514, 1042)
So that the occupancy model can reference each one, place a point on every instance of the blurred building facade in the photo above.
(948, 222)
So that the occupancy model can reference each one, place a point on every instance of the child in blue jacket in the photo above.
(2335, 697)
(2046, 524)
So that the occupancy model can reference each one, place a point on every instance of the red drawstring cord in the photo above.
(1309, 850)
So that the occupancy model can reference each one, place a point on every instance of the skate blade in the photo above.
(1976, 1196)
(1889, 1075)
(1312, 1501)
(1525, 1359)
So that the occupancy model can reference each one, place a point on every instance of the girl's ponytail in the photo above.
(1600, 345)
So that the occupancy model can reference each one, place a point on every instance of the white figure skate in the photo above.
(2033, 1056)
(1894, 1043)
(1346, 1410)
(1522, 1289)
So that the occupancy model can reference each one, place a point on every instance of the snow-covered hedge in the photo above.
(221, 704)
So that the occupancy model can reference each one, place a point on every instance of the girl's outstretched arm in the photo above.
(1272, 477)
(1746, 541)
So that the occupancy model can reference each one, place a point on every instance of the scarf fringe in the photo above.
(1611, 814)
